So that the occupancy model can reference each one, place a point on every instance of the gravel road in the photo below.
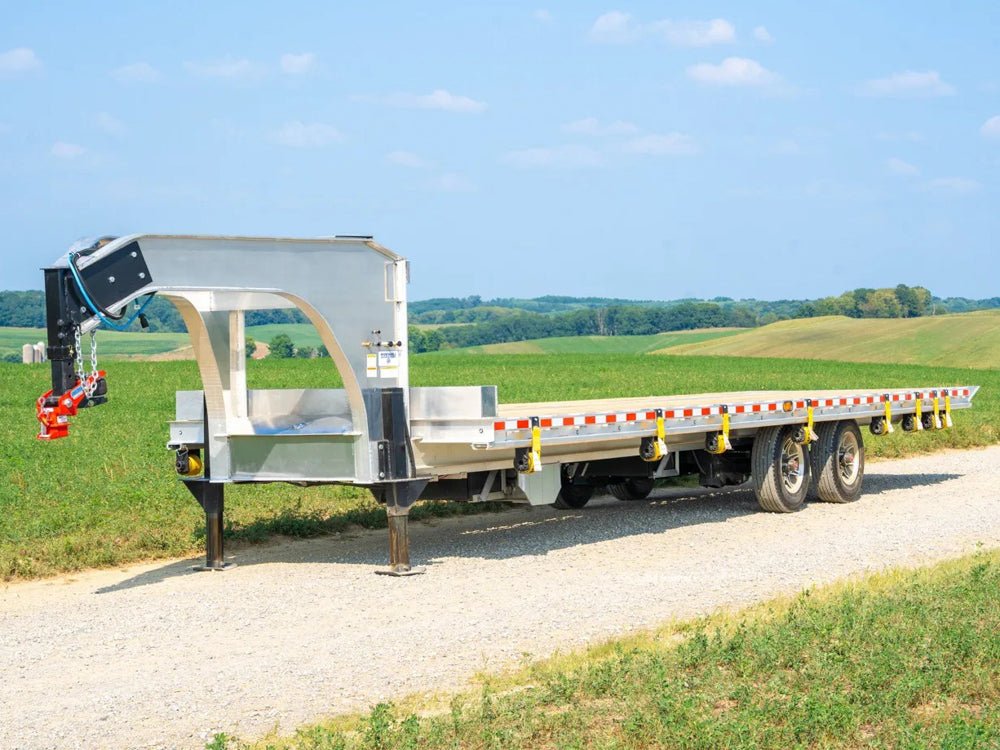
(159, 656)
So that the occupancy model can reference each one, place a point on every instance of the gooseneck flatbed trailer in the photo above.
(407, 443)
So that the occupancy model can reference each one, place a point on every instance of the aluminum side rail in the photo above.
(683, 416)
(744, 413)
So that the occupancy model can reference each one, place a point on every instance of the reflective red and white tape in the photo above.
(649, 415)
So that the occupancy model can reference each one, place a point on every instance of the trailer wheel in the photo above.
(780, 470)
(631, 489)
(838, 462)
(573, 496)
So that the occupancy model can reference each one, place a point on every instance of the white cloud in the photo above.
(451, 182)
(959, 185)
(64, 150)
(593, 126)
(616, 27)
(297, 134)
(542, 15)
(554, 156)
(909, 83)
(666, 144)
(109, 124)
(406, 159)
(694, 33)
(297, 64)
(761, 34)
(225, 68)
(900, 167)
(991, 128)
(437, 99)
(733, 71)
(140, 72)
(19, 60)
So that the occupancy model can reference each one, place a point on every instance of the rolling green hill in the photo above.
(602, 344)
(958, 340)
(962, 340)
(110, 343)
(301, 334)
(305, 335)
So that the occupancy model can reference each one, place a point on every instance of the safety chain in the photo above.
(77, 352)
(89, 385)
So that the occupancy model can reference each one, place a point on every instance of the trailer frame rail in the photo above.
(516, 431)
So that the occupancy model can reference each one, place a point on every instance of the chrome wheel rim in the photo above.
(793, 465)
(849, 458)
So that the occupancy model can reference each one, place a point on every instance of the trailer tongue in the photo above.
(407, 443)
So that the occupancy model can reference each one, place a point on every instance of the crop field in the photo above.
(110, 343)
(904, 659)
(108, 494)
(304, 334)
(301, 334)
(964, 340)
(603, 344)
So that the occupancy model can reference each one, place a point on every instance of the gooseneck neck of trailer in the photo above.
(351, 289)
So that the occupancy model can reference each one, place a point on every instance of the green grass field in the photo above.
(602, 344)
(110, 343)
(965, 340)
(108, 495)
(906, 659)
(301, 334)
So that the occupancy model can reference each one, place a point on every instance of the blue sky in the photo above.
(517, 149)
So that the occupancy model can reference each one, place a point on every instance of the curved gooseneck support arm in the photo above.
(352, 289)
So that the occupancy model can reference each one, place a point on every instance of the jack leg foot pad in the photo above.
(214, 568)
(400, 572)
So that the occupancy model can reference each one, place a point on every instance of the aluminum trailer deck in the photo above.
(407, 443)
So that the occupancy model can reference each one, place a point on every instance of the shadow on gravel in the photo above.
(526, 531)
(876, 483)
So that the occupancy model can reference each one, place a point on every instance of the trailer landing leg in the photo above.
(212, 500)
(399, 498)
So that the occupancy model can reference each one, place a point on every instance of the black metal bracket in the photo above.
(62, 318)
(211, 497)
(109, 280)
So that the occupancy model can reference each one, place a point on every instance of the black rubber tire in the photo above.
(573, 496)
(632, 489)
(773, 494)
(828, 481)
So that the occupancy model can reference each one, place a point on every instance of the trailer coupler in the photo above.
(54, 412)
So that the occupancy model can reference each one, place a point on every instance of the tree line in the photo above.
(617, 320)
(27, 310)
(476, 321)
(626, 320)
